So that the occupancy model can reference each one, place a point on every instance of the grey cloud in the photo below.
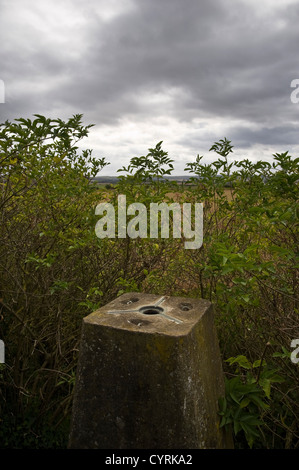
(228, 63)
(284, 136)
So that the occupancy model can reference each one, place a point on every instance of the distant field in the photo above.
(173, 195)
(227, 192)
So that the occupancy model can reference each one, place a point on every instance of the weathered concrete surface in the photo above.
(149, 381)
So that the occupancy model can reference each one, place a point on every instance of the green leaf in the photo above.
(257, 363)
(241, 360)
(266, 386)
(224, 260)
(259, 402)
(244, 402)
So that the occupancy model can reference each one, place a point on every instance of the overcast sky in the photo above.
(187, 72)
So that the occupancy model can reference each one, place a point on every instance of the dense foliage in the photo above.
(54, 271)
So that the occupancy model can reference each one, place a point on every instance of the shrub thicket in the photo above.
(54, 271)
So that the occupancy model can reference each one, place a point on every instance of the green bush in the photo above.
(54, 271)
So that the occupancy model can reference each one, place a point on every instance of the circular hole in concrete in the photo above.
(130, 301)
(151, 310)
(185, 306)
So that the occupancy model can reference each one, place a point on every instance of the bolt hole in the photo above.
(185, 307)
(151, 310)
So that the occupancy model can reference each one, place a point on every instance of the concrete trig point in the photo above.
(149, 376)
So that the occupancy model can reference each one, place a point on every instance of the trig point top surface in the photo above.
(150, 313)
